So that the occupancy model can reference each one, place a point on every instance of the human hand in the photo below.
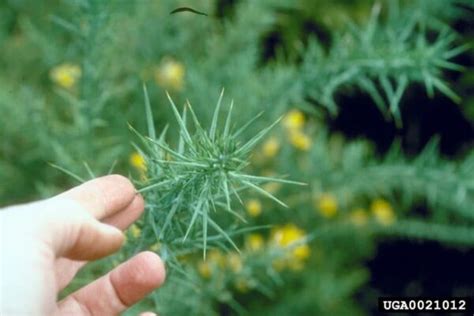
(45, 243)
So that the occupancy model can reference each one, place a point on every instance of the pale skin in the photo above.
(45, 243)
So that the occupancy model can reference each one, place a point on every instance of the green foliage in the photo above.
(188, 186)
(439, 183)
(71, 82)
(381, 59)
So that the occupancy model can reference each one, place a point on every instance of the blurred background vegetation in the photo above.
(378, 109)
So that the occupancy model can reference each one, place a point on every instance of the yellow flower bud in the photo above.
(300, 140)
(204, 269)
(292, 237)
(155, 247)
(135, 231)
(302, 252)
(170, 74)
(294, 120)
(65, 75)
(137, 161)
(271, 147)
(254, 207)
(327, 205)
(254, 242)
(383, 212)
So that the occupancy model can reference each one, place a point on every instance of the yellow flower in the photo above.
(327, 205)
(137, 161)
(271, 147)
(383, 212)
(65, 75)
(294, 120)
(358, 217)
(155, 247)
(288, 236)
(135, 231)
(300, 140)
(204, 269)
(302, 252)
(254, 207)
(170, 74)
(214, 260)
(254, 242)
(234, 262)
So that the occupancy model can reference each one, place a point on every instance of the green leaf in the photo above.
(149, 114)
(263, 192)
(69, 173)
(212, 130)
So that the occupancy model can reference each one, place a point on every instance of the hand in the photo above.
(45, 243)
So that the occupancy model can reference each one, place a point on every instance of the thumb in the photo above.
(75, 234)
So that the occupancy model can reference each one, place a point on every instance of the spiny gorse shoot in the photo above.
(382, 59)
(190, 189)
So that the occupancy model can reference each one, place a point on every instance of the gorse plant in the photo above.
(190, 189)
(382, 59)
(324, 66)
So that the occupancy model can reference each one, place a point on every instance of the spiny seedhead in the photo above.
(192, 182)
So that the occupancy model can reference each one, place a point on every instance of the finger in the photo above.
(130, 214)
(104, 196)
(119, 289)
(76, 234)
(147, 314)
(66, 269)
